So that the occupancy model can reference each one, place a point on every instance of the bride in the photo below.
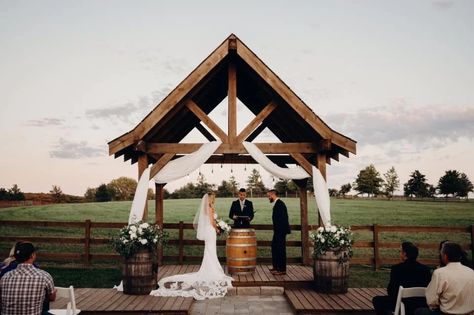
(210, 281)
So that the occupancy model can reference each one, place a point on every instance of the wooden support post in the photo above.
(181, 242)
(232, 104)
(376, 247)
(321, 166)
(142, 166)
(87, 242)
(302, 184)
(159, 216)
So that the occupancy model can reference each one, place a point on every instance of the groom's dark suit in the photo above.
(245, 211)
(281, 227)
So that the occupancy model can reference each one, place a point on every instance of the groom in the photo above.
(281, 227)
(241, 211)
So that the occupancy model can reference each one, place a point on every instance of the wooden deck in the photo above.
(297, 276)
(355, 301)
(110, 301)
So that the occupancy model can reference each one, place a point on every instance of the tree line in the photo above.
(452, 184)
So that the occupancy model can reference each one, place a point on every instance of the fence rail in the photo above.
(86, 257)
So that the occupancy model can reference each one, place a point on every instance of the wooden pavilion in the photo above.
(232, 70)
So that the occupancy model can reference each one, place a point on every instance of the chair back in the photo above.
(67, 293)
(407, 293)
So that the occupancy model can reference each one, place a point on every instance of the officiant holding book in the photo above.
(241, 211)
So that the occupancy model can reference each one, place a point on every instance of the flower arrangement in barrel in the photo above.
(138, 236)
(336, 238)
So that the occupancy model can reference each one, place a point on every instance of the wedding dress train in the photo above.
(210, 281)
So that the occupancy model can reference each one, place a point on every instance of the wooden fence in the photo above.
(86, 256)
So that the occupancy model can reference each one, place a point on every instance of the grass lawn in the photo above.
(344, 211)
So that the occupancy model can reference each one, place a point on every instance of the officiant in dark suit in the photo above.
(241, 211)
(281, 227)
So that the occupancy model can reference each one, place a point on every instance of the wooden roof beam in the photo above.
(264, 113)
(206, 120)
(226, 148)
(162, 161)
(303, 162)
(256, 132)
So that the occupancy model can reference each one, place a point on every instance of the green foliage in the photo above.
(455, 184)
(56, 194)
(255, 185)
(13, 193)
(417, 186)
(333, 192)
(103, 193)
(227, 188)
(191, 190)
(391, 182)
(368, 181)
(138, 236)
(123, 188)
(90, 194)
(346, 188)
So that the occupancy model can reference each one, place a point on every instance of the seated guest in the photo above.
(10, 262)
(451, 289)
(241, 211)
(464, 260)
(14, 299)
(409, 273)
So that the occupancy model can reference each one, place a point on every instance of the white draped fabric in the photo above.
(272, 168)
(187, 164)
(321, 193)
(139, 200)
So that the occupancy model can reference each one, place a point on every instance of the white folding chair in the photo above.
(407, 293)
(67, 293)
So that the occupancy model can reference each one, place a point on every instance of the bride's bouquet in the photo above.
(224, 227)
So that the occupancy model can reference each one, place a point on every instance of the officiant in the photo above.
(241, 211)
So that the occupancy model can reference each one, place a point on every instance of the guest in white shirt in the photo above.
(451, 289)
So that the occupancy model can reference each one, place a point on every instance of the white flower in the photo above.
(144, 225)
(143, 241)
(333, 229)
(125, 241)
(155, 240)
(322, 240)
(133, 228)
(342, 242)
(215, 216)
(320, 229)
(133, 236)
(140, 230)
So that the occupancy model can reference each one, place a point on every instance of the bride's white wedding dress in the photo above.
(210, 281)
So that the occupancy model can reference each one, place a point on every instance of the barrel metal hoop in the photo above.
(242, 245)
(242, 259)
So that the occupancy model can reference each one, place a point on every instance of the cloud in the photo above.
(44, 122)
(409, 127)
(65, 149)
(120, 112)
(443, 4)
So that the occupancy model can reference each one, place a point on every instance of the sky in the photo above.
(396, 76)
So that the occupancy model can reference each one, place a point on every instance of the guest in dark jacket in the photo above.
(407, 274)
(241, 211)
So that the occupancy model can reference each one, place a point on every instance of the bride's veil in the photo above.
(201, 221)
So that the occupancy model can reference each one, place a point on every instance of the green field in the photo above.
(344, 211)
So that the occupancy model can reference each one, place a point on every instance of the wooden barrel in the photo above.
(138, 275)
(331, 272)
(241, 251)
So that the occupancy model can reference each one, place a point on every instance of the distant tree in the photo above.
(368, 181)
(56, 194)
(3, 194)
(103, 193)
(90, 194)
(166, 194)
(234, 184)
(254, 184)
(124, 188)
(466, 186)
(186, 191)
(454, 183)
(417, 186)
(345, 189)
(391, 182)
(285, 187)
(449, 183)
(150, 195)
(15, 193)
(202, 186)
(225, 189)
(333, 192)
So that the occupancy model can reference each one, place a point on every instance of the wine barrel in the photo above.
(241, 251)
(138, 275)
(331, 272)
